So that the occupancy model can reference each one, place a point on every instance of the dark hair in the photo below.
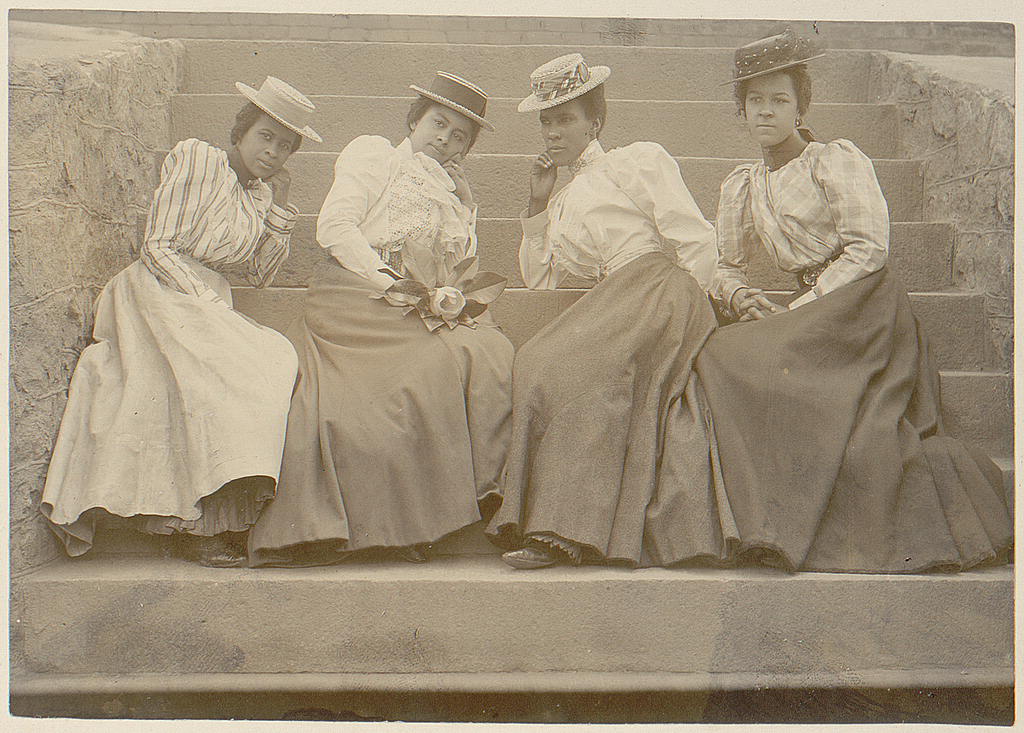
(594, 106)
(246, 118)
(801, 83)
(419, 107)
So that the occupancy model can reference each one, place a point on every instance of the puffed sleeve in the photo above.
(272, 249)
(650, 177)
(189, 179)
(735, 228)
(536, 258)
(361, 175)
(860, 213)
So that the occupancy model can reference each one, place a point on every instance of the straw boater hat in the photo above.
(284, 103)
(458, 94)
(561, 80)
(772, 54)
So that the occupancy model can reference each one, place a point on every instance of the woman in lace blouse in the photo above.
(826, 411)
(397, 434)
(176, 416)
(608, 438)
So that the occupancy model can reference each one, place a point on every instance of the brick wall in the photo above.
(967, 39)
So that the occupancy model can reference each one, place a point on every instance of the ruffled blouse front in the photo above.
(385, 196)
(619, 205)
(823, 203)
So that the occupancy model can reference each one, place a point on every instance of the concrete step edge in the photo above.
(25, 685)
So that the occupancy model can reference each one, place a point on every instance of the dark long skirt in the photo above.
(610, 444)
(395, 433)
(831, 442)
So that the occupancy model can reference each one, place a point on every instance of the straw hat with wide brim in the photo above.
(284, 103)
(562, 80)
(771, 54)
(458, 94)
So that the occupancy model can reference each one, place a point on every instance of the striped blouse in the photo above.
(822, 203)
(201, 211)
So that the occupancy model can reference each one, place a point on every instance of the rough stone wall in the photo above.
(82, 133)
(964, 133)
(968, 39)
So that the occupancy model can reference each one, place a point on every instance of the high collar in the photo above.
(591, 153)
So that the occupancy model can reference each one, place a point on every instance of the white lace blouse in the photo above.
(620, 204)
(824, 202)
(384, 196)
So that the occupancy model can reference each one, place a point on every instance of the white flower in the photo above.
(447, 302)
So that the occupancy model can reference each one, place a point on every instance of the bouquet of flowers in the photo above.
(443, 292)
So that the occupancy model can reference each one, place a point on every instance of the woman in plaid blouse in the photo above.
(826, 411)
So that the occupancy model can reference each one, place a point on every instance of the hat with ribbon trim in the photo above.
(458, 94)
(772, 54)
(561, 80)
(284, 103)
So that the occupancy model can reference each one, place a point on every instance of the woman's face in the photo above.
(441, 133)
(265, 147)
(567, 131)
(771, 108)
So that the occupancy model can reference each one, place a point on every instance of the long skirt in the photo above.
(831, 442)
(175, 417)
(610, 441)
(396, 435)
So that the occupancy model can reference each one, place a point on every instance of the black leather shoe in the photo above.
(530, 558)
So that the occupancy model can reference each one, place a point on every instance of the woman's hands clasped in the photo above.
(542, 182)
(751, 304)
(453, 166)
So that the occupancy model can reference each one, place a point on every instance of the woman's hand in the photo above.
(542, 182)
(751, 304)
(279, 184)
(454, 168)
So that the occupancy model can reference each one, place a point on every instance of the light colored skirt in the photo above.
(177, 399)
(396, 436)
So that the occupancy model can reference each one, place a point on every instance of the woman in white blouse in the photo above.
(608, 440)
(826, 412)
(397, 434)
(176, 416)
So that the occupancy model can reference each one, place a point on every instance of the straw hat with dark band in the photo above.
(284, 103)
(772, 54)
(458, 94)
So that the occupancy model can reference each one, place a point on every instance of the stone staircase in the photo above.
(128, 619)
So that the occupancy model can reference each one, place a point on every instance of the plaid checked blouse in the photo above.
(825, 202)
(201, 211)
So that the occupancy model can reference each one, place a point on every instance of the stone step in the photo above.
(473, 616)
(387, 69)
(954, 321)
(683, 128)
(501, 182)
(921, 255)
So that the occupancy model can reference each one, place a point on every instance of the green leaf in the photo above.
(463, 272)
(474, 308)
(409, 287)
(485, 287)
(421, 264)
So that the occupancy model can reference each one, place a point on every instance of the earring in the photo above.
(799, 122)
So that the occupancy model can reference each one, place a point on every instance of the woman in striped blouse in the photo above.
(825, 410)
(176, 416)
